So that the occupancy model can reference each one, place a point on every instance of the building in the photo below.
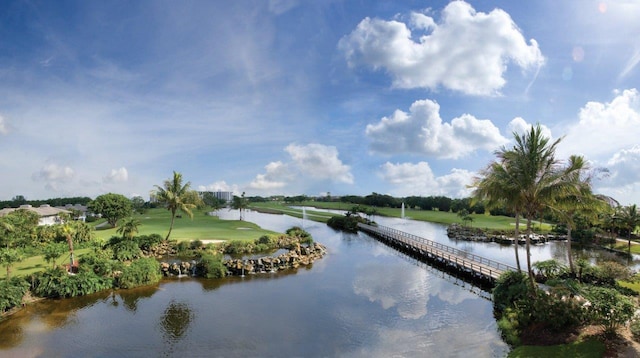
(227, 196)
(48, 214)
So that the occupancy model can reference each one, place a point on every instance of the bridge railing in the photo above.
(404, 236)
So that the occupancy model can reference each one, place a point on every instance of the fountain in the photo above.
(193, 267)
(304, 216)
(402, 211)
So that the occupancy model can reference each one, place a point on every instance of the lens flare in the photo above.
(577, 54)
(602, 7)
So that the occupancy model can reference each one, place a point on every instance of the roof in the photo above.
(42, 210)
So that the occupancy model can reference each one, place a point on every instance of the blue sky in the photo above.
(308, 97)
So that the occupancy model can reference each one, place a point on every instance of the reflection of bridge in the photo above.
(447, 257)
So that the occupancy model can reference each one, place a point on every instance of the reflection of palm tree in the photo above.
(175, 196)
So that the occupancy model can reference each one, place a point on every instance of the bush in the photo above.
(146, 242)
(345, 223)
(11, 292)
(512, 286)
(97, 264)
(211, 266)
(195, 244)
(608, 307)
(57, 283)
(144, 271)
(635, 329)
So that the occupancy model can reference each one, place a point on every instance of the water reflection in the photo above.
(174, 323)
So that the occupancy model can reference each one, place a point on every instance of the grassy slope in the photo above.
(583, 349)
(480, 221)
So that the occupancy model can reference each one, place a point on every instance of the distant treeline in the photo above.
(21, 200)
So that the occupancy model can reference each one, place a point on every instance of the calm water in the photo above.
(362, 300)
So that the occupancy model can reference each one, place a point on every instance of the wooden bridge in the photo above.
(450, 258)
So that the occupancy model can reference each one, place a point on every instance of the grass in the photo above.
(635, 286)
(488, 222)
(201, 227)
(624, 247)
(582, 349)
(37, 263)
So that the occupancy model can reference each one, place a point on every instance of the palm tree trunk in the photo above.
(70, 243)
(528, 247)
(517, 240)
(173, 216)
(569, 254)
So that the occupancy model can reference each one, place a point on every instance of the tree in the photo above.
(138, 204)
(496, 188)
(112, 207)
(52, 252)
(629, 219)
(240, 203)
(129, 228)
(537, 177)
(581, 202)
(175, 196)
(9, 256)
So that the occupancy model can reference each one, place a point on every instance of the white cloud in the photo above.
(520, 126)
(277, 176)
(467, 51)
(219, 186)
(117, 176)
(422, 131)
(3, 126)
(418, 179)
(320, 162)
(623, 181)
(605, 128)
(309, 163)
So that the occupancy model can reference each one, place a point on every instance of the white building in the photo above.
(48, 215)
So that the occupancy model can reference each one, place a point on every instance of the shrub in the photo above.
(509, 327)
(11, 292)
(635, 329)
(195, 244)
(146, 242)
(140, 272)
(57, 283)
(608, 307)
(211, 266)
(512, 286)
(97, 264)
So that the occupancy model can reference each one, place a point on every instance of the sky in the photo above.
(323, 97)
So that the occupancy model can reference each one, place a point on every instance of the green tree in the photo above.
(578, 203)
(240, 203)
(52, 252)
(176, 196)
(8, 257)
(129, 227)
(628, 219)
(496, 188)
(112, 207)
(538, 177)
(138, 204)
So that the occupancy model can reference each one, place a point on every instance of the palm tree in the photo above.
(495, 188)
(175, 196)
(578, 202)
(538, 177)
(629, 219)
(129, 227)
(240, 203)
(68, 232)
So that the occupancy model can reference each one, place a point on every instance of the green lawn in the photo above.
(479, 220)
(201, 227)
(37, 263)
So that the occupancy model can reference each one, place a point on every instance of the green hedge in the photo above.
(11, 292)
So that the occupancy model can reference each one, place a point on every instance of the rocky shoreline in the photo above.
(297, 256)
(466, 233)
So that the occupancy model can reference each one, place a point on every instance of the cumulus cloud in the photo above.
(117, 176)
(219, 186)
(311, 162)
(422, 131)
(623, 181)
(605, 128)
(418, 179)
(467, 51)
(520, 126)
(277, 175)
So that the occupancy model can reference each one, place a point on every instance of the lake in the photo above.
(363, 299)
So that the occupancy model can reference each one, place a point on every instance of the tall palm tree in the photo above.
(175, 196)
(495, 188)
(580, 201)
(538, 176)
